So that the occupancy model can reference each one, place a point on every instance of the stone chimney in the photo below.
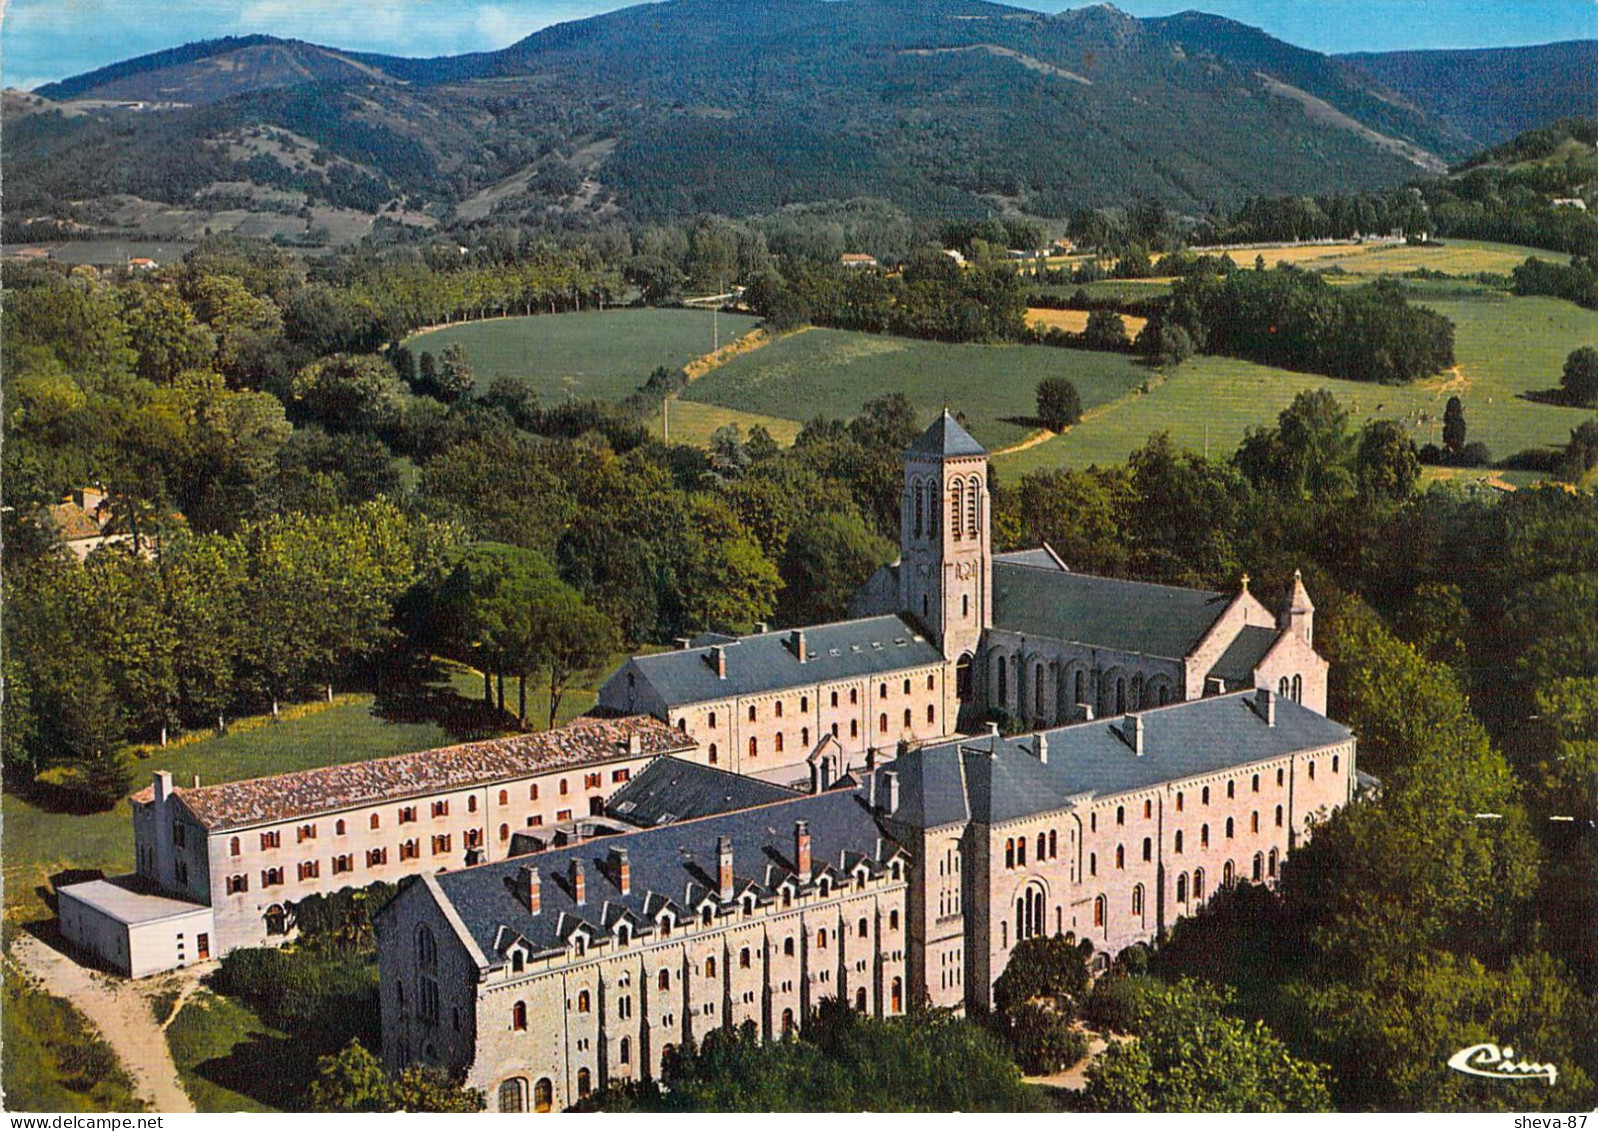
(1132, 733)
(623, 868)
(684, 643)
(1086, 711)
(892, 783)
(162, 786)
(717, 659)
(761, 628)
(993, 740)
(796, 641)
(1265, 705)
(801, 848)
(1043, 748)
(527, 888)
(635, 743)
(724, 867)
(578, 892)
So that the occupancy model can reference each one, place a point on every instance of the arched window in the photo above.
(1229, 831)
(712, 753)
(1120, 696)
(804, 737)
(543, 1095)
(1279, 777)
(426, 949)
(471, 807)
(1004, 690)
(863, 929)
(518, 962)
(1093, 863)
(1099, 912)
(1148, 848)
(1204, 795)
(584, 1002)
(624, 1051)
(932, 715)
(860, 1000)
(585, 1082)
(834, 698)
(376, 821)
(882, 723)
(710, 967)
(513, 1095)
(957, 507)
(1335, 760)
(1259, 867)
(1120, 856)
(705, 917)
(1254, 821)
(743, 959)
(518, 1017)
(896, 997)
(1020, 852)
(1270, 864)
(1178, 844)
(787, 1022)
(1043, 846)
(1228, 875)
(821, 939)
(233, 847)
(776, 742)
(854, 728)
(1198, 884)
(504, 797)
(1054, 844)
(1312, 770)
(893, 920)
(1283, 687)
(751, 712)
(504, 832)
(1178, 801)
(754, 746)
(1204, 836)
(1120, 814)
(712, 718)
(663, 979)
(1231, 789)
(1009, 852)
(1148, 809)
(972, 494)
(1298, 689)
(1181, 888)
(1278, 816)
(1137, 901)
(787, 947)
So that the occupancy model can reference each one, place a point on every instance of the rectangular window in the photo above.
(563, 815)
(621, 775)
(179, 836)
(593, 781)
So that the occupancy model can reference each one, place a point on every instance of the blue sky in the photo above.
(42, 40)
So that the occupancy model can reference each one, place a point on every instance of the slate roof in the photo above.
(1041, 558)
(1129, 616)
(306, 793)
(673, 869)
(945, 438)
(1243, 655)
(670, 790)
(766, 661)
(1180, 741)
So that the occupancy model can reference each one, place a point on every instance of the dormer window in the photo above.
(749, 905)
(825, 888)
(664, 925)
(705, 915)
(579, 945)
(624, 935)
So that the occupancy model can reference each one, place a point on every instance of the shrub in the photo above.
(1059, 404)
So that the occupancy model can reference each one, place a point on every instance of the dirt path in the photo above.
(1075, 1078)
(1041, 436)
(758, 338)
(120, 1012)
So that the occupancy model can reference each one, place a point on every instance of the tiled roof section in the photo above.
(767, 661)
(671, 790)
(1236, 665)
(672, 869)
(1129, 616)
(71, 522)
(1181, 741)
(946, 438)
(308, 792)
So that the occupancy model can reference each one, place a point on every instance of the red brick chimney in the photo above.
(801, 848)
(577, 881)
(623, 869)
(527, 888)
(724, 866)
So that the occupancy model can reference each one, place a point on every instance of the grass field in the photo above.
(693, 423)
(605, 355)
(1506, 347)
(203, 1037)
(834, 372)
(1075, 321)
(40, 843)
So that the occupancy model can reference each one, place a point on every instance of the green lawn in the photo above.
(39, 844)
(834, 372)
(605, 355)
(1506, 347)
(211, 1035)
(693, 423)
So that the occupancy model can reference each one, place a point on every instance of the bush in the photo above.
(1580, 377)
(1044, 1041)
(1122, 1003)
(1059, 404)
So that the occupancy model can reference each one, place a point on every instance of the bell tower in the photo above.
(945, 556)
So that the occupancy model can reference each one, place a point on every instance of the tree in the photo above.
(1189, 1056)
(1037, 999)
(826, 559)
(1082, 515)
(1580, 377)
(483, 613)
(454, 378)
(347, 392)
(1387, 464)
(1059, 404)
(570, 637)
(1454, 425)
(354, 1080)
(1105, 331)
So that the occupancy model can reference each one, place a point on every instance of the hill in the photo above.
(1491, 95)
(945, 107)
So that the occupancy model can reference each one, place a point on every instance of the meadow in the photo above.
(1506, 348)
(835, 372)
(694, 423)
(600, 354)
(1075, 321)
